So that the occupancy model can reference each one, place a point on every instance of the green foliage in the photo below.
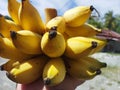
(108, 21)
(96, 22)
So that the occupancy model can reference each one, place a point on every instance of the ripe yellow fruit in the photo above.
(58, 22)
(30, 19)
(53, 44)
(7, 25)
(77, 47)
(28, 71)
(54, 72)
(85, 30)
(13, 9)
(77, 16)
(27, 41)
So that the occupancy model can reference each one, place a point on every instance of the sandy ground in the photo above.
(5, 83)
(108, 80)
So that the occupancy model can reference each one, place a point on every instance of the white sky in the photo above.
(62, 5)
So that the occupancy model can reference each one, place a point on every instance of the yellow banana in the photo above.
(28, 71)
(7, 25)
(50, 13)
(85, 30)
(30, 18)
(96, 63)
(9, 65)
(54, 72)
(58, 23)
(77, 47)
(13, 9)
(77, 16)
(100, 43)
(8, 50)
(53, 43)
(27, 41)
(80, 69)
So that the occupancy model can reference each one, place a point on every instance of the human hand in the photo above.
(68, 84)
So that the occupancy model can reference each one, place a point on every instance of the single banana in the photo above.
(80, 69)
(101, 43)
(13, 9)
(50, 13)
(9, 65)
(96, 63)
(53, 43)
(27, 41)
(78, 16)
(58, 22)
(30, 18)
(54, 72)
(7, 25)
(85, 30)
(8, 50)
(77, 47)
(28, 71)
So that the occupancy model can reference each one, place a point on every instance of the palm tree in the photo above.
(110, 21)
(117, 23)
(95, 22)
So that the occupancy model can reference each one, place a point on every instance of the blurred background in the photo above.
(109, 19)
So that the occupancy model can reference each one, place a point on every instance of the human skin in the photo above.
(68, 84)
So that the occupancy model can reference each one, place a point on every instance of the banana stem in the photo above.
(92, 8)
(109, 35)
(50, 13)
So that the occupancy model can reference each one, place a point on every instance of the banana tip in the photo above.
(52, 34)
(54, 28)
(47, 81)
(98, 72)
(1, 68)
(104, 64)
(13, 34)
(92, 8)
(1, 15)
(94, 44)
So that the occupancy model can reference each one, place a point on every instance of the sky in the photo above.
(102, 6)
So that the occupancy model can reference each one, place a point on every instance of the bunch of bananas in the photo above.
(51, 50)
